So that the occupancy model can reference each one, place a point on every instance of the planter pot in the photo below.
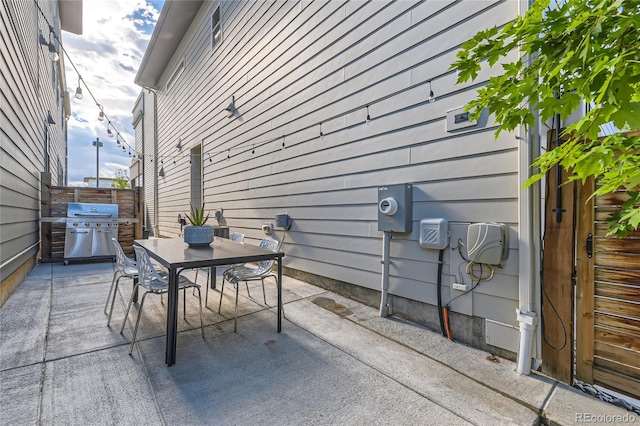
(198, 235)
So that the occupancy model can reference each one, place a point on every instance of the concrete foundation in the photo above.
(467, 330)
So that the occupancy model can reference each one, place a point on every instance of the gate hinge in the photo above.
(590, 246)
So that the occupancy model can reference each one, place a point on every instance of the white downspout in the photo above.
(529, 276)
(530, 240)
(529, 249)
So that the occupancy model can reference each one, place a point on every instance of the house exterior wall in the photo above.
(296, 69)
(144, 126)
(32, 90)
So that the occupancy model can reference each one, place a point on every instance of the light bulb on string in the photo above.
(321, 134)
(283, 144)
(228, 154)
(368, 120)
(109, 132)
(53, 50)
(78, 94)
(253, 149)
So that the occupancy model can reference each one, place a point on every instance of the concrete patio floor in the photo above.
(335, 362)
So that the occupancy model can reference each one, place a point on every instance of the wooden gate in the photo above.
(607, 297)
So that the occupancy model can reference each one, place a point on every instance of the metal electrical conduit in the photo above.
(22, 253)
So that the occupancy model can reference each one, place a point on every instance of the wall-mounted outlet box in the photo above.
(460, 287)
(459, 119)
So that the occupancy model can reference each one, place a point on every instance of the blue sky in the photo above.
(107, 56)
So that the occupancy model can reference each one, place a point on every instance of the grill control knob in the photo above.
(86, 224)
(98, 224)
(75, 223)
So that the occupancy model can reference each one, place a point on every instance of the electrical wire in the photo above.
(542, 286)
(80, 79)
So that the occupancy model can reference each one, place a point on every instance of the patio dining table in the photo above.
(175, 255)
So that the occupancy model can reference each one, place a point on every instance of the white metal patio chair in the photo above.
(153, 282)
(125, 267)
(236, 237)
(249, 272)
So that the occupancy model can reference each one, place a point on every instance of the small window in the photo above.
(216, 28)
(174, 77)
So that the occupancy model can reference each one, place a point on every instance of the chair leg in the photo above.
(221, 291)
(113, 300)
(206, 292)
(126, 313)
(246, 283)
(193, 292)
(201, 319)
(264, 296)
(110, 290)
(135, 329)
(235, 319)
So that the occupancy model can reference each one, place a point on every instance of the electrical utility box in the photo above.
(488, 243)
(395, 205)
(434, 234)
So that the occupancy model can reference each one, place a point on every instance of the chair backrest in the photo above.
(269, 244)
(147, 273)
(237, 237)
(121, 259)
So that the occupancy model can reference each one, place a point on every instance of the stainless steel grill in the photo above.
(89, 230)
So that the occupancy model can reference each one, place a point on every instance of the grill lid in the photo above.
(92, 211)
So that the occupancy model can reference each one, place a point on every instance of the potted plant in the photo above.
(198, 234)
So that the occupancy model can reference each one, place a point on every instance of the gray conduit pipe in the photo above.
(386, 247)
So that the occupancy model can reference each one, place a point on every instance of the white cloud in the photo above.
(107, 56)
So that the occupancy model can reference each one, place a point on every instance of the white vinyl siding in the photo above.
(29, 93)
(294, 65)
(176, 74)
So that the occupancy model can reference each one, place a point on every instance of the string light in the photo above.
(55, 45)
(102, 115)
(78, 94)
